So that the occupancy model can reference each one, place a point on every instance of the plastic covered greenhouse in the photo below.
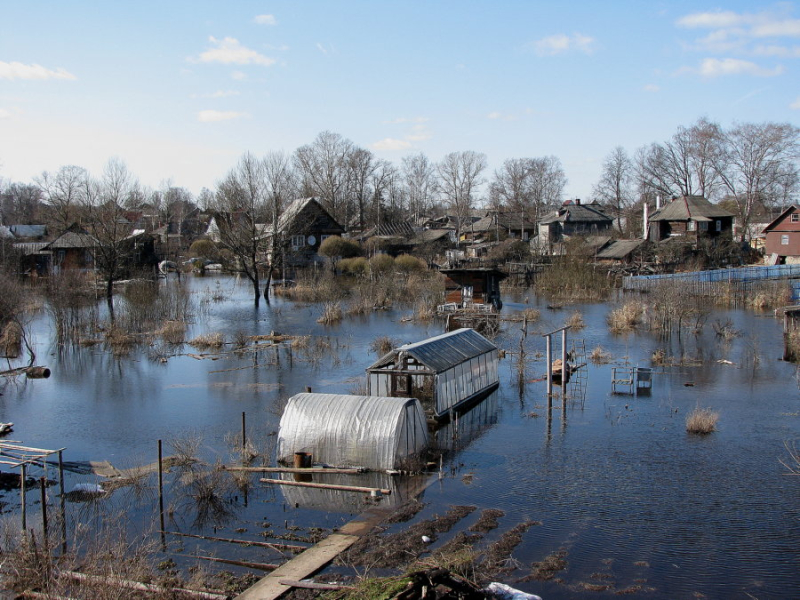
(450, 370)
(373, 432)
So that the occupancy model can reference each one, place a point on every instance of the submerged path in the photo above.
(313, 559)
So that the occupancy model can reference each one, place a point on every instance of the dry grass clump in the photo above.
(702, 421)
(383, 345)
(625, 318)
(531, 315)
(120, 341)
(599, 356)
(726, 330)
(659, 357)
(575, 320)
(769, 297)
(208, 340)
(172, 332)
(300, 342)
(11, 340)
(332, 313)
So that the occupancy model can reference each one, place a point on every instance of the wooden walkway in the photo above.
(312, 560)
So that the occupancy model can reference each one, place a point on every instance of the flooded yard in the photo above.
(608, 492)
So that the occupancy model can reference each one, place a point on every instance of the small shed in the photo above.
(449, 370)
(373, 432)
(469, 286)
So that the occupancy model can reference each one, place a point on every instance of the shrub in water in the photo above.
(702, 421)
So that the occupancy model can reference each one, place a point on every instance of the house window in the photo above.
(703, 225)
(784, 240)
(298, 241)
(719, 225)
(323, 237)
(795, 217)
(691, 226)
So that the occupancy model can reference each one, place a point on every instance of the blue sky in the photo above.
(180, 90)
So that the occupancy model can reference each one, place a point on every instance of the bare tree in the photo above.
(385, 194)
(104, 218)
(240, 214)
(614, 187)
(20, 203)
(360, 165)
(758, 163)
(459, 178)
(63, 193)
(281, 186)
(322, 166)
(419, 176)
(685, 164)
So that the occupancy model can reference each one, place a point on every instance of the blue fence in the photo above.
(735, 275)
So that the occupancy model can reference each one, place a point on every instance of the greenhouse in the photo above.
(373, 432)
(447, 372)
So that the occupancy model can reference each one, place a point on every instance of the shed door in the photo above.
(401, 385)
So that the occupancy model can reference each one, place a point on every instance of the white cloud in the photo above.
(229, 51)
(778, 28)
(18, 70)
(407, 120)
(5, 114)
(716, 67)
(781, 51)
(391, 144)
(712, 20)
(796, 104)
(218, 94)
(497, 115)
(238, 75)
(325, 50)
(651, 87)
(266, 20)
(419, 133)
(494, 115)
(214, 116)
(562, 43)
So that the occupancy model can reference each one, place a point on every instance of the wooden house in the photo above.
(572, 218)
(448, 372)
(73, 249)
(501, 225)
(473, 286)
(782, 236)
(302, 227)
(690, 217)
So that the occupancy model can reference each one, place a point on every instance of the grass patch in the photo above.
(702, 421)
(625, 318)
(332, 313)
(209, 340)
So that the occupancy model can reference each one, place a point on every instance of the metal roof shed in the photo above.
(451, 369)
(367, 431)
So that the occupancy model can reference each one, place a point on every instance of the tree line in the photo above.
(745, 166)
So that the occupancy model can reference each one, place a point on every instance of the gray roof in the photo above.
(690, 208)
(444, 351)
(71, 239)
(619, 249)
(576, 213)
(505, 220)
(28, 231)
(31, 248)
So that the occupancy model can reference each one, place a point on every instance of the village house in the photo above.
(782, 237)
(501, 225)
(572, 218)
(302, 227)
(690, 217)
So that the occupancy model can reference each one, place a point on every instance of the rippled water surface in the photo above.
(634, 502)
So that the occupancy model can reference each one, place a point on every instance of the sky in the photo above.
(180, 90)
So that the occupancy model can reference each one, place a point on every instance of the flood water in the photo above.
(614, 481)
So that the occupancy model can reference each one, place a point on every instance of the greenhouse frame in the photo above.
(372, 432)
(451, 371)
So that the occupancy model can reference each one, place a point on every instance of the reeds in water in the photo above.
(702, 421)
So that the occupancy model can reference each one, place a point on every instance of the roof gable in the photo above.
(443, 352)
(781, 218)
(690, 208)
(305, 214)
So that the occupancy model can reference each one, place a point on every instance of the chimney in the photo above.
(658, 201)
(578, 201)
(646, 216)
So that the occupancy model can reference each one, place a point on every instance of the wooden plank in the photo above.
(327, 486)
(329, 470)
(300, 567)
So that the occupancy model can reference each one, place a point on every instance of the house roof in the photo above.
(575, 213)
(431, 235)
(442, 352)
(690, 208)
(72, 239)
(777, 221)
(391, 229)
(296, 208)
(619, 249)
(508, 221)
(31, 248)
(27, 231)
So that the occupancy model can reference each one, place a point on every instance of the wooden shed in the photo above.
(466, 286)
(447, 372)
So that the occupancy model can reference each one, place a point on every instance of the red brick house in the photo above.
(782, 236)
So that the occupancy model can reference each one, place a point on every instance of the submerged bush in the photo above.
(405, 263)
(332, 313)
(381, 264)
(357, 266)
(702, 421)
(626, 318)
